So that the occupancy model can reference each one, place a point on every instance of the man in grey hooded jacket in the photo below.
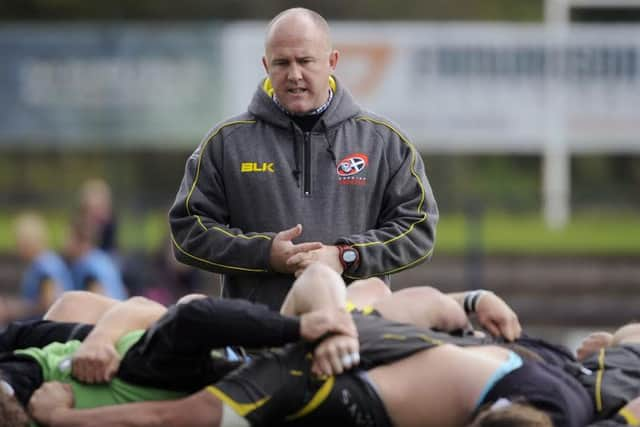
(305, 161)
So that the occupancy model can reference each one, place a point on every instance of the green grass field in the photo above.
(587, 234)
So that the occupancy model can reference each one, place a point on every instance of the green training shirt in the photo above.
(54, 359)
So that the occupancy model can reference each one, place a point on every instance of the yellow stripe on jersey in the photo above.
(319, 397)
(629, 417)
(598, 390)
(241, 409)
(366, 310)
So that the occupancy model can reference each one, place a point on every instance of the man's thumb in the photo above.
(291, 233)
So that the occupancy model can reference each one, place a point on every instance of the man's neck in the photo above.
(314, 112)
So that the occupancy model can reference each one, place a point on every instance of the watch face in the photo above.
(349, 256)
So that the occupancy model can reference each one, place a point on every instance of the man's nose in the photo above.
(295, 73)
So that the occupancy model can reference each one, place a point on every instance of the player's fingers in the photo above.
(324, 364)
(492, 328)
(506, 329)
(345, 324)
(517, 329)
(350, 354)
(508, 333)
(76, 369)
(336, 360)
(81, 373)
(343, 353)
(85, 370)
(90, 372)
(315, 369)
(113, 368)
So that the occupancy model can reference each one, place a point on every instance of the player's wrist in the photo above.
(471, 300)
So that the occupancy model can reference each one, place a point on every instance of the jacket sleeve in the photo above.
(199, 218)
(406, 226)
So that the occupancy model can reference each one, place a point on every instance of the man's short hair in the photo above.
(315, 17)
(512, 414)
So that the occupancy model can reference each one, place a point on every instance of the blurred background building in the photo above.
(525, 111)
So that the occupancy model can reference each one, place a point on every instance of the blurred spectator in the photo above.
(92, 268)
(45, 277)
(96, 209)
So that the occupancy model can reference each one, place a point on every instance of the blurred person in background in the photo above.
(170, 279)
(46, 275)
(96, 208)
(307, 164)
(92, 268)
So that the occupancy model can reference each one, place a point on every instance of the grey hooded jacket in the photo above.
(354, 179)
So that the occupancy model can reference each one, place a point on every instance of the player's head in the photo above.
(31, 235)
(95, 199)
(12, 414)
(511, 414)
(299, 59)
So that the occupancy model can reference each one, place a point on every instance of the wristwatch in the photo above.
(348, 256)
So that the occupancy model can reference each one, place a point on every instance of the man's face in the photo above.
(299, 62)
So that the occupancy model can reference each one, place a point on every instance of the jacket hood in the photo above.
(342, 107)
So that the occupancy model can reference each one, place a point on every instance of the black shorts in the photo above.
(278, 388)
(614, 379)
(548, 388)
(39, 333)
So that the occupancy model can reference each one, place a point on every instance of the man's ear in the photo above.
(333, 59)
(265, 64)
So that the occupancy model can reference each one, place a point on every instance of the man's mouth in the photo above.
(297, 90)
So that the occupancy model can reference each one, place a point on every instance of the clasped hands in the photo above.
(293, 258)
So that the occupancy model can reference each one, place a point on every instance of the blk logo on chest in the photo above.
(248, 167)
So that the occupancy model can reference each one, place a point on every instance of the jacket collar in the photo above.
(342, 107)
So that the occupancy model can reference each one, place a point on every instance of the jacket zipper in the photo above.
(306, 165)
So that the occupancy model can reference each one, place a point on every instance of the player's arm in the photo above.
(208, 323)
(79, 307)
(97, 360)
(627, 334)
(491, 312)
(317, 287)
(51, 405)
(423, 306)
(320, 287)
